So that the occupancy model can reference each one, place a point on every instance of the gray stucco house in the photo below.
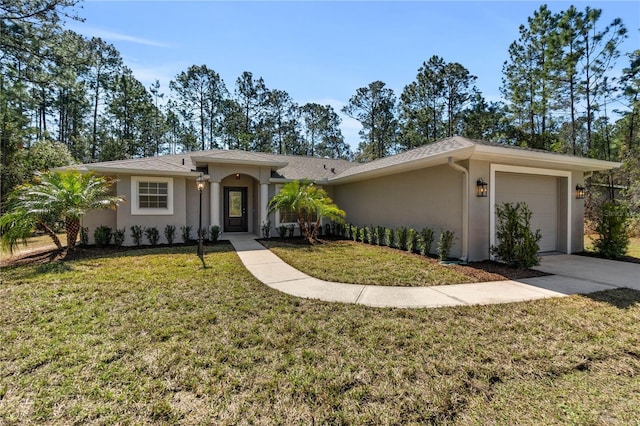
(436, 185)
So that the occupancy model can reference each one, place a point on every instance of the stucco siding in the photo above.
(478, 211)
(126, 220)
(577, 214)
(421, 198)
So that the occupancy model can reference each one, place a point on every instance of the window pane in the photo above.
(235, 204)
(153, 195)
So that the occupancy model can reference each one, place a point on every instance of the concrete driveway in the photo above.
(582, 274)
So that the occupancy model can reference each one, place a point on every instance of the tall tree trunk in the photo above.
(51, 234)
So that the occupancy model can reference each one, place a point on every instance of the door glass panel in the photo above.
(235, 204)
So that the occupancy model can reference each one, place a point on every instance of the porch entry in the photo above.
(235, 209)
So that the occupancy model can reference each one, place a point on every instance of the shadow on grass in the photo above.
(621, 298)
(54, 261)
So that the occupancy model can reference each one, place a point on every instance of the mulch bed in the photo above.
(621, 259)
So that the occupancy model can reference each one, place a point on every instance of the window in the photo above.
(151, 195)
(287, 216)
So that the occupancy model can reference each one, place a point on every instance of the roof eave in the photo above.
(143, 172)
(491, 153)
(433, 160)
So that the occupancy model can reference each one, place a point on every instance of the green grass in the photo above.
(357, 263)
(633, 250)
(149, 337)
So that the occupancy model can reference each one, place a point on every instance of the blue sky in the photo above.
(323, 51)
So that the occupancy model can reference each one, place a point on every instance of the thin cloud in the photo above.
(116, 36)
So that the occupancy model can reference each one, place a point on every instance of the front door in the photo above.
(235, 209)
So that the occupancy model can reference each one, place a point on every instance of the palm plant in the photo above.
(310, 204)
(55, 196)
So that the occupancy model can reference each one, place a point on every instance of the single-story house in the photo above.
(453, 184)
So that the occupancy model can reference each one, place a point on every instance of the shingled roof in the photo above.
(290, 167)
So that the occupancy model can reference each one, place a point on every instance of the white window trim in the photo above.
(136, 210)
(530, 171)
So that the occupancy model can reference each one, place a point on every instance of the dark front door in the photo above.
(235, 209)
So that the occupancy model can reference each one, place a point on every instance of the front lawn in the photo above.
(358, 263)
(148, 336)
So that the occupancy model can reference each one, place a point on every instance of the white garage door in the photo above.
(541, 195)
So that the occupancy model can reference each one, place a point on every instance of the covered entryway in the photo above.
(235, 209)
(541, 195)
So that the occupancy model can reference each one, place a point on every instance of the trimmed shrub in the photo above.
(186, 233)
(444, 244)
(214, 233)
(204, 233)
(388, 237)
(354, 232)
(412, 240)
(366, 237)
(119, 236)
(266, 229)
(153, 235)
(613, 231)
(361, 234)
(327, 230)
(84, 236)
(102, 236)
(282, 231)
(291, 230)
(517, 243)
(170, 233)
(425, 240)
(401, 238)
(380, 235)
(136, 234)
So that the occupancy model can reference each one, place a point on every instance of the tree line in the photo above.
(65, 98)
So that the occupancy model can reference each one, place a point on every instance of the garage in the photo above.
(540, 192)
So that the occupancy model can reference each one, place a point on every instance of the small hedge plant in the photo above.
(136, 234)
(102, 236)
(445, 242)
(153, 235)
(517, 243)
(170, 233)
(613, 231)
(214, 233)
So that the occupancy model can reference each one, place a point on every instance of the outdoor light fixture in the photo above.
(200, 182)
(481, 188)
(237, 175)
(579, 192)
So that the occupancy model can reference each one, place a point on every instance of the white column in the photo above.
(264, 198)
(215, 204)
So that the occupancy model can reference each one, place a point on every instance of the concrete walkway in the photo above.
(572, 276)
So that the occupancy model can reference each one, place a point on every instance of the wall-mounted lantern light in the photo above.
(579, 192)
(237, 175)
(482, 188)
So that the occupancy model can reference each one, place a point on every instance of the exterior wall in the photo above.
(479, 211)
(125, 220)
(96, 218)
(192, 206)
(577, 214)
(421, 198)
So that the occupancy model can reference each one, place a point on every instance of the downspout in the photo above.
(465, 207)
